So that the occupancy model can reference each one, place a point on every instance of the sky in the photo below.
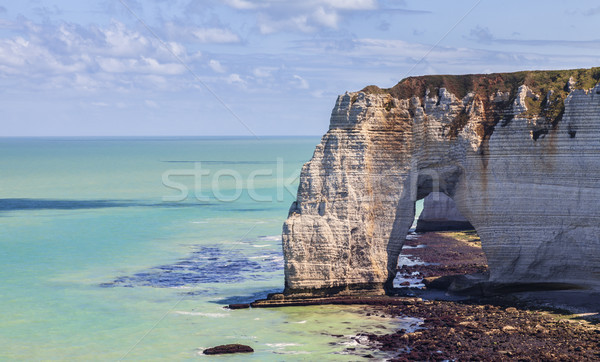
(256, 67)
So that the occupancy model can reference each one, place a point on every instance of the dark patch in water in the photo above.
(237, 299)
(52, 204)
(205, 265)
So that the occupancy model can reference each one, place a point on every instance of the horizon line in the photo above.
(162, 136)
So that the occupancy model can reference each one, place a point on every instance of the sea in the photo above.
(130, 249)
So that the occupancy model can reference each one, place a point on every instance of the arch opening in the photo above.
(441, 246)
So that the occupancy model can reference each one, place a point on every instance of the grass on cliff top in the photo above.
(550, 86)
(540, 81)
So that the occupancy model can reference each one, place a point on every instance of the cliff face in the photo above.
(518, 153)
(440, 213)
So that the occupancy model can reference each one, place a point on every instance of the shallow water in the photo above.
(101, 261)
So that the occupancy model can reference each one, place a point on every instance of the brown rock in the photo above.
(228, 348)
(239, 306)
(509, 329)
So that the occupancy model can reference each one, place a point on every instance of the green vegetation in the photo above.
(540, 81)
(467, 236)
(550, 86)
(373, 89)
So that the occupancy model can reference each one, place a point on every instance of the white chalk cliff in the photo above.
(518, 152)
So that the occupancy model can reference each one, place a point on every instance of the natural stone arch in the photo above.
(520, 177)
(440, 213)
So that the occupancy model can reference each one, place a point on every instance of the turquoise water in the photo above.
(101, 261)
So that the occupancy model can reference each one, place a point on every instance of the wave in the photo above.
(291, 352)
(270, 238)
(200, 314)
(281, 345)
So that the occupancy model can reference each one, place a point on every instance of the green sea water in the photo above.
(100, 260)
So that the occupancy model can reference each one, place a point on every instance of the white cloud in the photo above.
(263, 72)
(85, 82)
(300, 83)
(318, 93)
(143, 65)
(216, 66)
(334, 4)
(215, 35)
(151, 104)
(70, 56)
(304, 16)
(351, 4)
(328, 18)
(123, 42)
(100, 104)
(235, 78)
(242, 4)
(301, 23)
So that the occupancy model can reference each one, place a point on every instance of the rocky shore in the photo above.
(485, 332)
(439, 254)
(525, 326)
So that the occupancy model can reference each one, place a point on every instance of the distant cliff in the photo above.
(518, 152)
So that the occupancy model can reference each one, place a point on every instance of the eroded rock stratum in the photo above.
(518, 152)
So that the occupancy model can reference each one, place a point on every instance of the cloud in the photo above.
(328, 18)
(275, 4)
(216, 66)
(384, 26)
(69, 55)
(186, 30)
(100, 104)
(350, 4)
(311, 16)
(592, 11)
(300, 83)
(262, 72)
(151, 104)
(215, 35)
(142, 65)
(235, 78)
(242, 4)
(483, 35)
(303, 16)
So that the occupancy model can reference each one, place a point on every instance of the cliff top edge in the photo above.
(539, 81)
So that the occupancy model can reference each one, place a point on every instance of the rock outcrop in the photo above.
(228, 349)
(440, 214)
(519, 153)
